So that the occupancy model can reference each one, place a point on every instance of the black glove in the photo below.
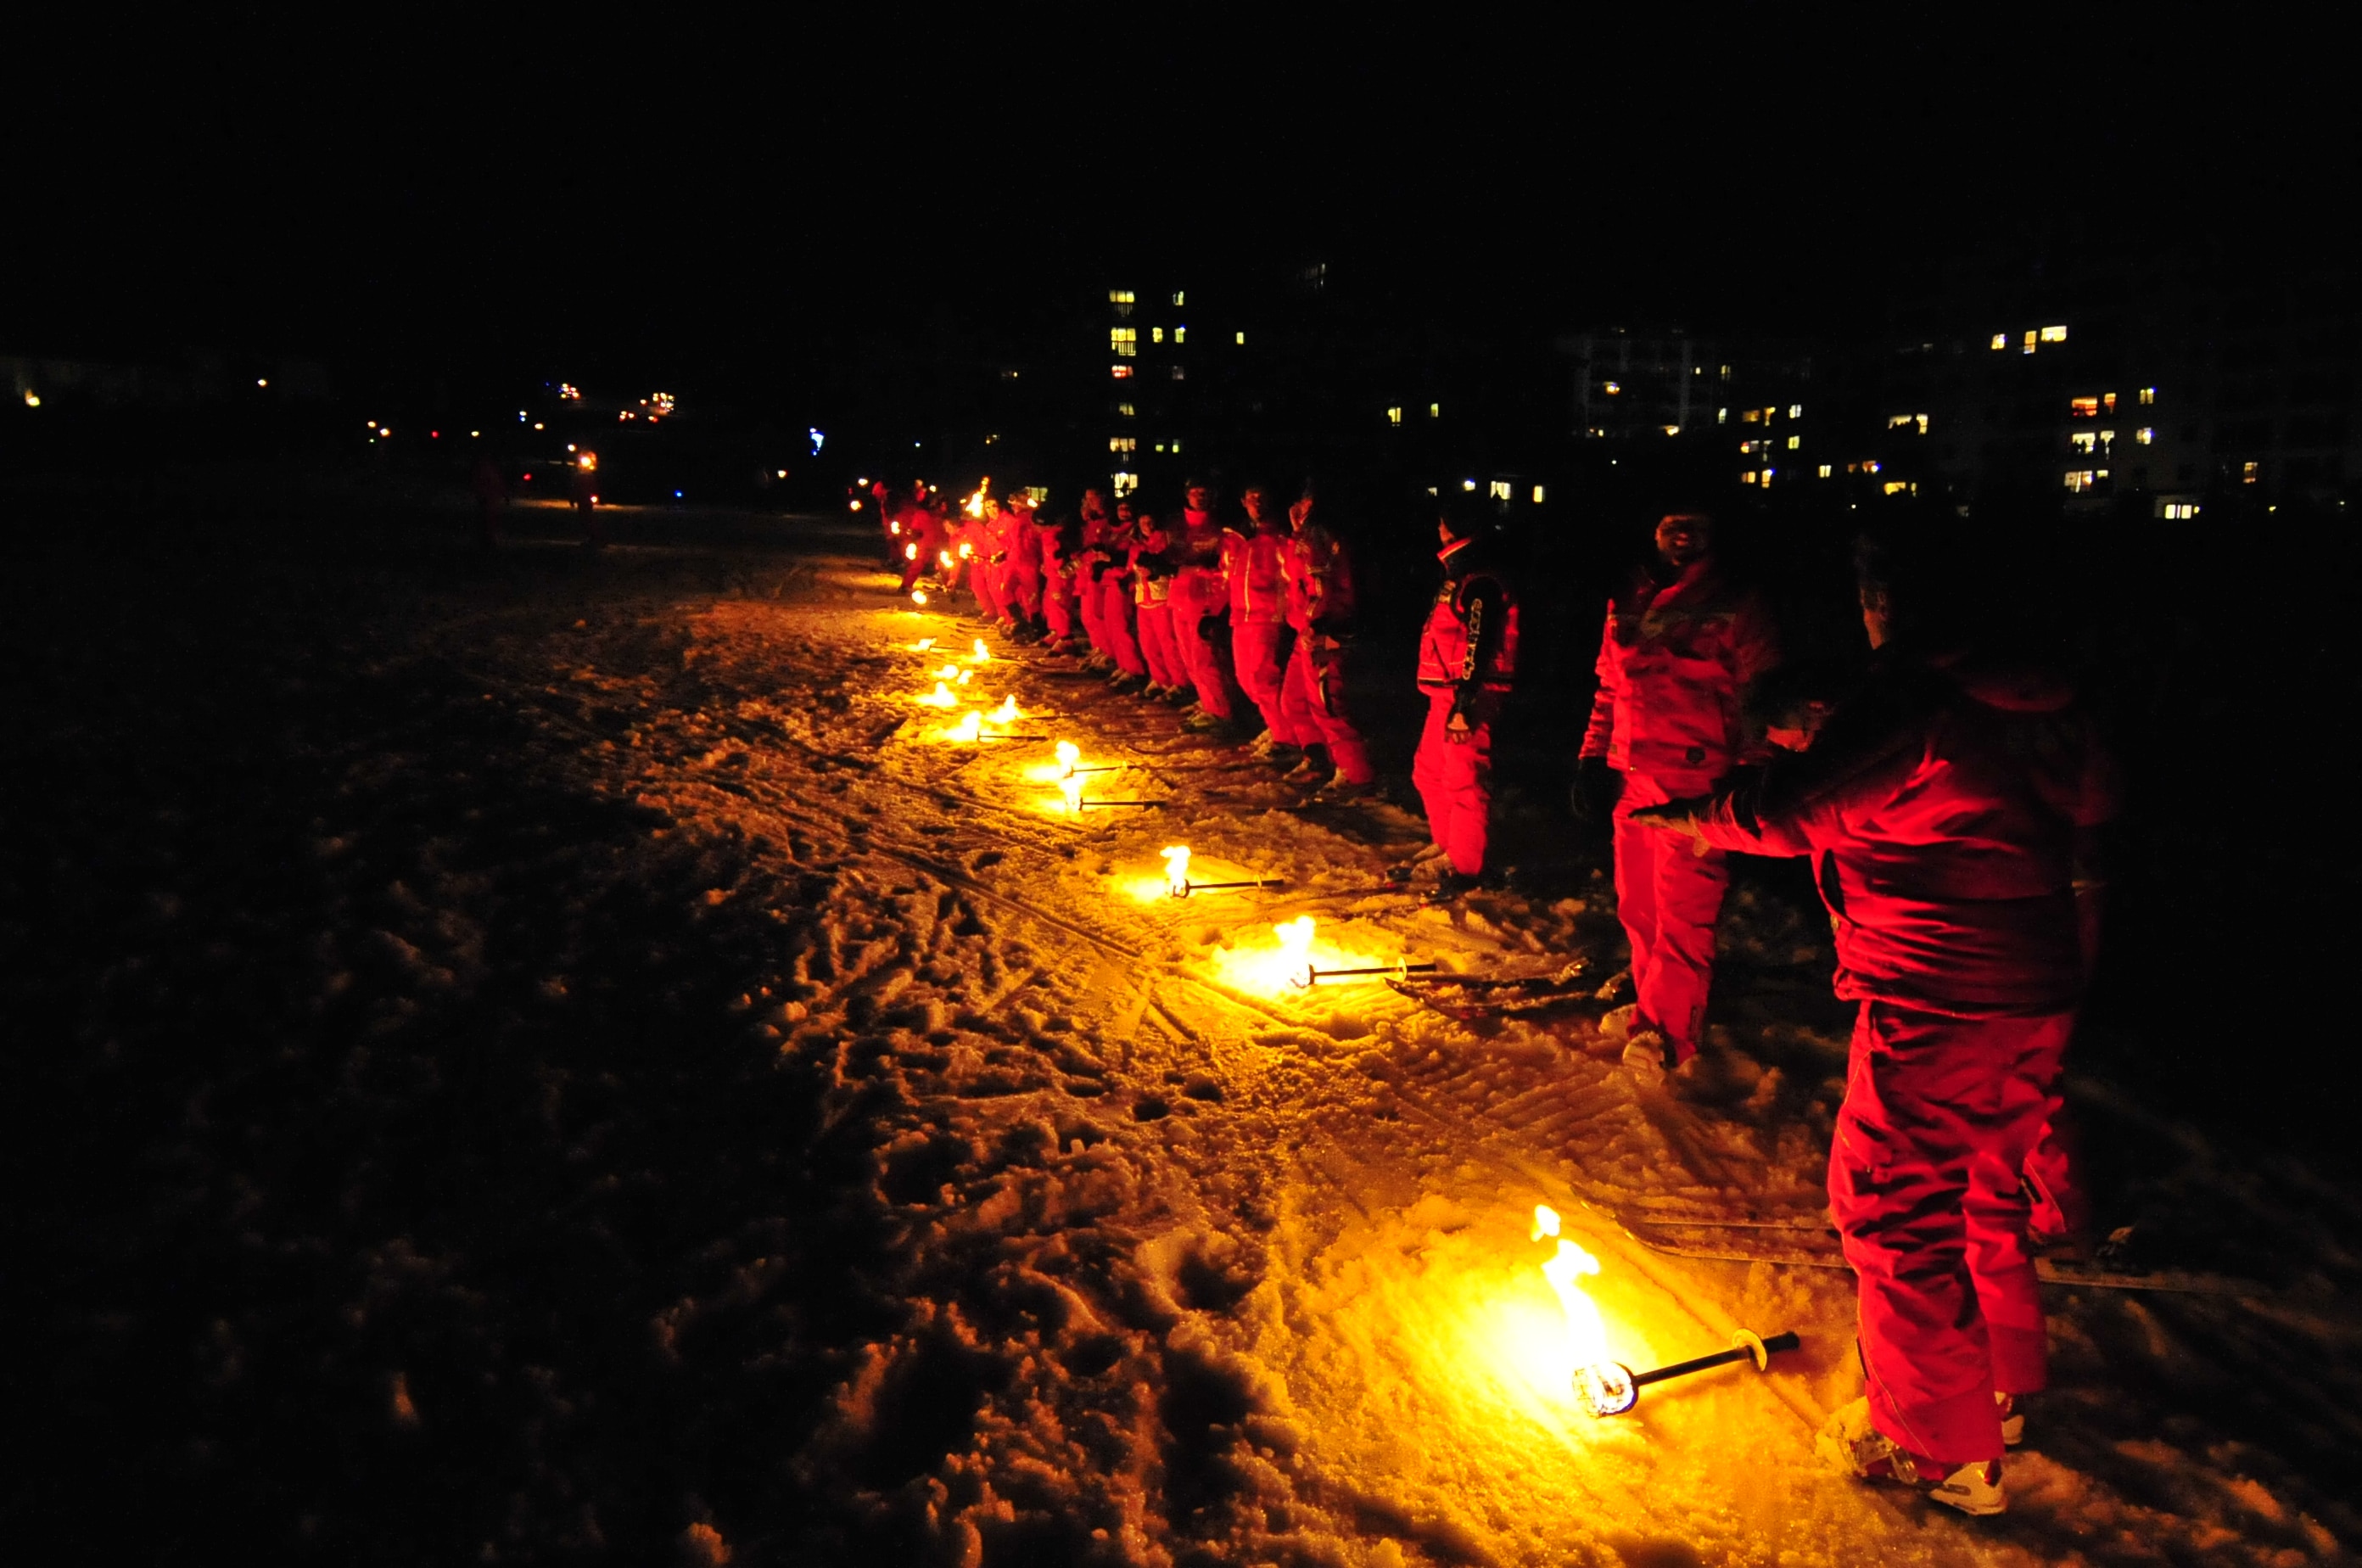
(1475, 706)
(1592, 797)
(1211, 628)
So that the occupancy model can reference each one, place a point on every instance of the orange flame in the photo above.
(1176, 878)
(1007, 714)
(982, 656)
(1069, 754)
(941, 697)
(1296, 949)
(919, 597)
(1071, 787)
(966, 730)
(1586, 1335)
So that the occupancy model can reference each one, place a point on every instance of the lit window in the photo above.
(1795, 442)
(2080, 480)
(2001, 341)
(1768, 473)
(1870, 466)
(1435, 410)
(1768, 413)
(2181, 510)
(1471, 484)
(1795, 411)
(2082, 440)
(1123, 443)
(1394, 415)
(1826, 471)
(1125, 410)
(1179, 298)
(1121, 299)
(1750, 416)
(1672, 429)
(1725, 373)
(1126, 484)
(2148, 395)
(1538, 495)
(1897, 421)
(2030, 337)
(1124, 373)
(2084, 408)
(1243, 339)
(1160, 446)
(2108, 401)
(1124, 341)
(1180, 335)
(1498, 490)
(1431, 490)
(1897, 486)
(1747, 478)
(2146, 435)
(1722, 416)
(2054, 334)
(1923, 425)
(1610, 387)
(1179, 374)
(2250, 472)
(1156, 335)
(1176, 448)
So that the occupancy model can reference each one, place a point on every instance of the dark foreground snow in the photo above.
(548, 1059)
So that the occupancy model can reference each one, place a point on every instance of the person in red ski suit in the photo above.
(1676, 655)
(1320, 610)
(1152, 575)
(1090, 562)
(1118, 600)
(1948, 807)
(1467, 659)
(1021, 591)
(1056, 542)
(917, 534)
(1254, 565)
(1200, 600)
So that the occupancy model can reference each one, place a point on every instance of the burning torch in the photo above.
(1177, 882)
(1610, 1388)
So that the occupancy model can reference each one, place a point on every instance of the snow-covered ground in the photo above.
(558, 1060)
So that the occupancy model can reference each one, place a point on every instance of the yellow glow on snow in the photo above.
(965, 731)
(922, 644)
(1586, 1336)
(982, 656)
(941, 697)
(1006, 714)
(948, 672)
(1069, 754)
(1176, 873)
(1071, 788)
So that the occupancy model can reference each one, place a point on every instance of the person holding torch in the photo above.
(1950, 804)
(1467, 659)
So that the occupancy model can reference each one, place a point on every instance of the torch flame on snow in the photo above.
(1296, 949)
(1007, 714)
(967, 729)
(948, 672)
(1176, 877)
(919, 597)
(922, 644)
(941, 697)
(1069, 754)
(982, 656)
(1586, 1336)
(1071, 787)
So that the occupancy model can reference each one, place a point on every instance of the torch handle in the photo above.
(1683, 1368)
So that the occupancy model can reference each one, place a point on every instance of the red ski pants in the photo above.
(1058, 607)
(984, 581)
(1668, 896)
(1116, 612)
(1021, 592)
(1255, 651)
(1156, 649)
(1314, 699)
(1938, 1117)
(1454, 781)
(1209, 666)
(1087, 597)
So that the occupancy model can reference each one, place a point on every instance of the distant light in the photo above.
(1672, 429)
(1538, 495)
(1394, 416)
(783, 473)
(1795, 411)
(676, 495)
(32, 400)
(528, 478)
(2054, 334)
(856, 507)
(536, 425)
(2001, 341)
(261, 380)
(1611, 389)
(1435, 410)
(519, 416)
(572, 447)
(435, 435)
(372, 423)
(818, 440)
(1468, 484)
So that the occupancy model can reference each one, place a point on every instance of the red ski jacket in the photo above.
(1470, 637)
(1673, 665)
(1320, 580)
(1255, 566)
(1198, 589)
(1945, 811)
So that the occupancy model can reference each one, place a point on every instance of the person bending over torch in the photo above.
(1950, 804)
(1678, 650)
(1467, 658)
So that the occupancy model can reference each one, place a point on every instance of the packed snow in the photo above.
(564, 1060)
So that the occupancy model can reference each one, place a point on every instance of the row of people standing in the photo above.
(1243, 622)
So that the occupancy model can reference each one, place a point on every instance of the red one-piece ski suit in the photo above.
(1942, 809)
(1467, 657)
(1320, 608)
(1254, 564)
(1673, 664)
(1199, 593)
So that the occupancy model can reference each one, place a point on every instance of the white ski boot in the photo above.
(1852, 1446)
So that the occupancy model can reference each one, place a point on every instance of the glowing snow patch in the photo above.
(1006, 714)
(941, 697)
(966, 730)
(1176, 880)
(982, 654)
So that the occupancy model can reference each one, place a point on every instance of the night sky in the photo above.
(744, 209)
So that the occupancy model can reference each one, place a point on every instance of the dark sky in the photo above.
(686, 202)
